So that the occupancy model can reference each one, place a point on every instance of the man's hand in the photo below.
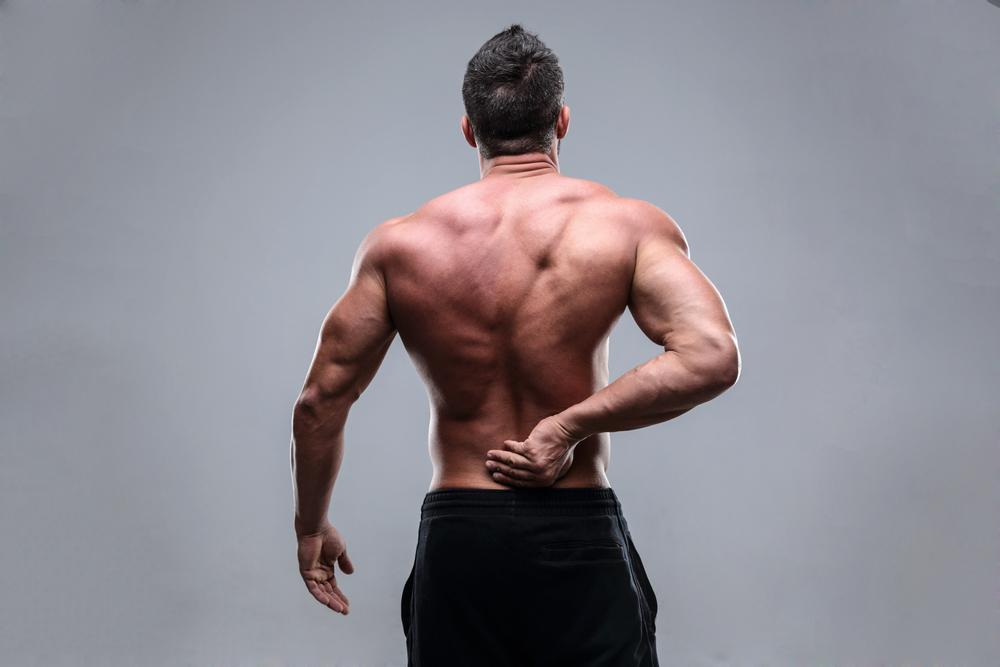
(540, 460)
(317, 555)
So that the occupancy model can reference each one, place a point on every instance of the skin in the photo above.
(504, 293)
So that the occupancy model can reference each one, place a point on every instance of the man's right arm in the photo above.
(677, 307)
(355, 338)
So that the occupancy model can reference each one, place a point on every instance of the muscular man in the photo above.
(504, 293)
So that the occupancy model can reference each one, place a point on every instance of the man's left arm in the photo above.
(354, 339)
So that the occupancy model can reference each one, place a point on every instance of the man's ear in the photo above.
(562, 123)
(467, 131)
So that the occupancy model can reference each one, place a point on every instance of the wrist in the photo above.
(569, 423)
(304, 529)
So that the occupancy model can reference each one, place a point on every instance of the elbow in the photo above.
(306, 416)
(723, 369)
(717, 368)
(307, 411)
(729, 366)
(316, 408)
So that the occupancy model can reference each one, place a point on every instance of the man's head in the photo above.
(513, 93)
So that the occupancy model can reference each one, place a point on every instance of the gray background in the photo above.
(182, 190)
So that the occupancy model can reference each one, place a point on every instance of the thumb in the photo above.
(346, 566)
(514, 446)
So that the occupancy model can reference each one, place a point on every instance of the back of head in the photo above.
(513, 91)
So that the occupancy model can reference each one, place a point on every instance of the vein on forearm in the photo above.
(665, 387)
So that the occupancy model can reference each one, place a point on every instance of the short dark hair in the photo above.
(513, 91)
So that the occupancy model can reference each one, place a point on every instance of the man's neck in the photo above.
(519, 166)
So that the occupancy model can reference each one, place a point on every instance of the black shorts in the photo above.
(543, 577)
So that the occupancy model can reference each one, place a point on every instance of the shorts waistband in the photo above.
(521, 502)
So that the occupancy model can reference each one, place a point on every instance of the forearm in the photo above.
(657, 391)
(317, 450)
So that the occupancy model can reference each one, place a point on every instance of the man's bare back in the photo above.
(504, 293)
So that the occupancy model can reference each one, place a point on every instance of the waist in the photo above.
(521, 502)
(461, 464)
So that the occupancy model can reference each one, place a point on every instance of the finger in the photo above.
(510, 475)
(510, 459)
(519, 483)
(515, 446)
(346, 566)
(507, 480)
(329, 594)
(342, 605)
(502, 468)
(496, 469)
(324, 594)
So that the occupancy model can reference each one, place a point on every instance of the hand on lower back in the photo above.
(317, 556)
(540, 460)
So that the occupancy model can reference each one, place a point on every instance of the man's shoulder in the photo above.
(440, 209)
(650, 223)
(643, 219)
(443, 215)
(598, 194)
(397, 237)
